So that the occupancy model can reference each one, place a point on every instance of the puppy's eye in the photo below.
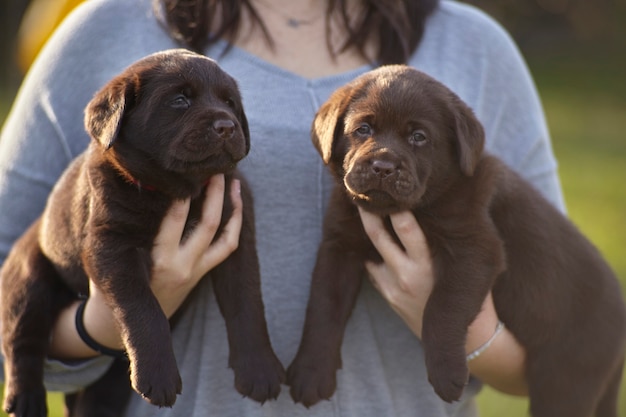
(180, 102)
(364, 130)
(230, 102)
(418, 138)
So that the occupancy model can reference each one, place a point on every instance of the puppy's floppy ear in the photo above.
(328, 123)
(470, 137)
(105, 111)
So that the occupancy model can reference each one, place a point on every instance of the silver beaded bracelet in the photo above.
(473, 355)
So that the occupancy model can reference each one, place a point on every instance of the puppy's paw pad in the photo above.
(259, 378)
(311, 384)
(449, 382)
(159, 388)
(30, 403)
(160, 394)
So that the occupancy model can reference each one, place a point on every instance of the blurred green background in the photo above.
(576, 50)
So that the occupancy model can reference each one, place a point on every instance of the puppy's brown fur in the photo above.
(160, 130)
(397, 139)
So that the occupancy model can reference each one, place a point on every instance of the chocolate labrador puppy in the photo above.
(160, 130)
(396, 139)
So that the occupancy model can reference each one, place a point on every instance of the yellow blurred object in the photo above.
(40, 20)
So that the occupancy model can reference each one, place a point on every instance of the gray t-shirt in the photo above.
(383, 369)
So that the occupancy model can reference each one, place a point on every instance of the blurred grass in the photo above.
(583, 90)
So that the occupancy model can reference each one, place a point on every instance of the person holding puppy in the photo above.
(287, 57)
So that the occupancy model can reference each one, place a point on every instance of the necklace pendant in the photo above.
(294, 23)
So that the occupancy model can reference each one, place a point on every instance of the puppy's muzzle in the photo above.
(383, 169)
(225, 128)
(228, 134)
(382, 182)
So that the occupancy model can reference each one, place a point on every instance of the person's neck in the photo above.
(298, 31)
(294, 14)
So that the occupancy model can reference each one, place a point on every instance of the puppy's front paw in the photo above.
(158, 382)
(28, 403)
(258, 376)
(448, 374)
(311, 379)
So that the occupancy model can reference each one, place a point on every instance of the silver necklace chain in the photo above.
(291, 21)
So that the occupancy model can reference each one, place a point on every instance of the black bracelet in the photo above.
(84, 336)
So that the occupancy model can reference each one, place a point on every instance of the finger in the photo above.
(170, 232)
(228, 240)
(203, 234)
(235, 195)
(386, 281)
(377, 275)
(410, 234)
(414, 242)
(380, 237)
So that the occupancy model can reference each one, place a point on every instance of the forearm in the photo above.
(100, 324)
(502, 364)
(65, 342)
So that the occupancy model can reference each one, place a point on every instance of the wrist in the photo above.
(90, 341)
(482, 330)
(502, 365)
(100, 324)
(497, 358)
(170, 299)
(66, 343)
(482, 348)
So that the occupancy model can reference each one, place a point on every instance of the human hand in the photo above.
(178, 267)
(406, 279)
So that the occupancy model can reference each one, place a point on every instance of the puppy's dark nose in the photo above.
(383, 168)
(224, 127)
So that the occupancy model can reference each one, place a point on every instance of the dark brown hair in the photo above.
(399, 24)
